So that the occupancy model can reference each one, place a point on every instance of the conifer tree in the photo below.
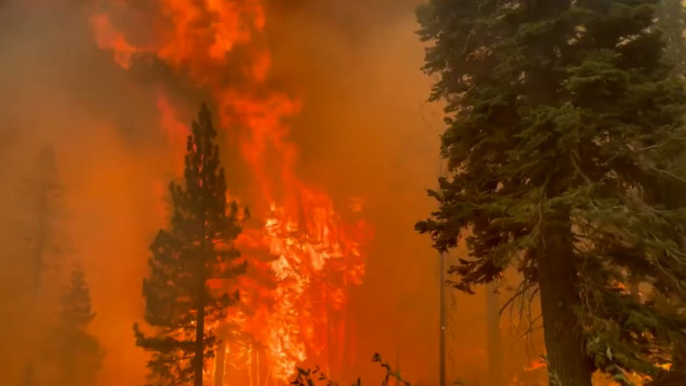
(562, 117)
(74, 355)
(196, 247)
(43, 246)
(42, 210)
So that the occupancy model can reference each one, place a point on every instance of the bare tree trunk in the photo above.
(220, 364)
(199, 357)
(495, 349)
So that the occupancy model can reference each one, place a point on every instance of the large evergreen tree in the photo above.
(562, 117)
(74, 355)
(197, 247)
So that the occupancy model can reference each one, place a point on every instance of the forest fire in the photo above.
(153, 239)
(305, 256)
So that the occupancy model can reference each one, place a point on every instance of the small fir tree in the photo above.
(75, 355)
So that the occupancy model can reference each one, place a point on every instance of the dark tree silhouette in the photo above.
(561, 117)
(44, 245)
(197, 247)
(42, 210)
(74, 355)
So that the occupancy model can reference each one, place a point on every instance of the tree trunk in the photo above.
(39, 247)
(495, 349)
(568, 364)
(220, 364)
(199, 358)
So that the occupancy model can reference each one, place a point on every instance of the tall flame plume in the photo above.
(305, 257)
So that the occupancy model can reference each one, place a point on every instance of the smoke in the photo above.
(58, 88)
(365, 131)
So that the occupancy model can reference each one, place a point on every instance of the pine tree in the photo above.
(43, 247)
(42, 207)
(74, 355)
(496, 366)
(561, 117)
(197, 247)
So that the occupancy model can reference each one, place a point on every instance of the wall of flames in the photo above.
(304, 256)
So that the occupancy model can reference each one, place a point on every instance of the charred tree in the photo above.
(560, 116)
(195, 248)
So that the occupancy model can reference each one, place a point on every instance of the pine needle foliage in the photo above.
(562, 117)
(195, 248)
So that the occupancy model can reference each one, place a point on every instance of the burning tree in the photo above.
(74, 355)
(563, 117)
(195, 249)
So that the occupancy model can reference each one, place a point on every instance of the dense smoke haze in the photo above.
(364, 131)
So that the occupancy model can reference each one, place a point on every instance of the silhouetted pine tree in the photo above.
(73, 355)
(44, 244)
(561, 117)
(197, 247)
(42, 210)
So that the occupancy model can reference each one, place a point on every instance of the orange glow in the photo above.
(535, 365)
(304, 257)
(110, 39)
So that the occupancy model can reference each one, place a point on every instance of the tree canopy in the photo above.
(561, 118)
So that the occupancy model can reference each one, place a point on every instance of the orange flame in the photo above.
(536, 364)
(111, 39)
(305, 256)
